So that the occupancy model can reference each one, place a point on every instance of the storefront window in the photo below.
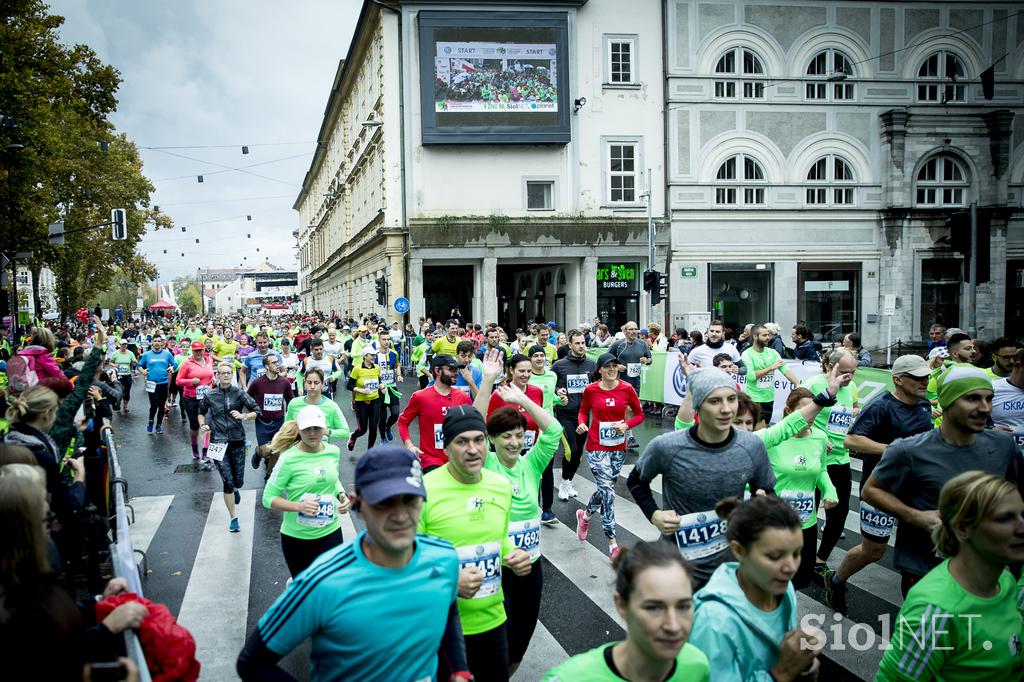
(940, 293)
(741, 294)
(618, 294)
(829, 299)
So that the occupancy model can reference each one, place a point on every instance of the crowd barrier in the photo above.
(122, 553)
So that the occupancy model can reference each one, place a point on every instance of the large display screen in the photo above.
(494, 77)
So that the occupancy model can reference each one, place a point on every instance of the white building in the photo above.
(251, 289)
(500, 172)
(47, 290)
(817, 149)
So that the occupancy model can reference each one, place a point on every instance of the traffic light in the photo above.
(382, 291)
(959, 224)
(660, 290)
(650, 279)
(119, 224)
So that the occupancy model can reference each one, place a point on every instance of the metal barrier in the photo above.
(122, 553)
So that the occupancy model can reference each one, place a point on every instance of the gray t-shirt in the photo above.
(915, 469)
(629, 354)
(695, 477)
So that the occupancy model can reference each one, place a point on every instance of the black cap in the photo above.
(460, 419)
(536, 348)
(605, 359)
(388, 471)
(443, 360)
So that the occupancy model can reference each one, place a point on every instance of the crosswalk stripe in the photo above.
(543, 654)
(627, 512)
(655, 482)
(583, 564)
(861, 663)
(149, 513)
(217, 596)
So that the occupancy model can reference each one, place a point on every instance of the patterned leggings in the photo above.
(605, 466)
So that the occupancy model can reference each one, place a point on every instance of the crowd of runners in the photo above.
(475, 423)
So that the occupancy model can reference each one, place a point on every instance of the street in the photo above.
(219, 584)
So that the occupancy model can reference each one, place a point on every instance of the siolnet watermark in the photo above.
(931, 630)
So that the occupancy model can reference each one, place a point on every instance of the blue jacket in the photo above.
(729, 629)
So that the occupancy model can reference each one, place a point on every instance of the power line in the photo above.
(218, 201)
(227, 146)
(239, 169)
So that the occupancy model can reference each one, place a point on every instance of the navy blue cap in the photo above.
(388, 471)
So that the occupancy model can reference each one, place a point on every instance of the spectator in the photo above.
(655, 339)
(851, 342)
(603, 339)
(936, 336)
(803, 341)
(696, 339)
(776, 344)
(39, 354)
(745, 341)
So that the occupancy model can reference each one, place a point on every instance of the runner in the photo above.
(428, 407)
(654, 596)
(289, 361)
(449, 343)
(305, 486)
(1003, 351)
(195, 378)
(761, 361)
(408, 582)
(907, 481)
(221, 416)
(469, 376)
(631, 352)
(903, 413)
(419, 360)
(314, 386)
(389, 402)
(835, 421)
(325, 363)
(519, 373)
(253, 364)
(273, 394)
(549, 349)
(700, 466)
(962, 621)
(470, 507)
(746, 617)
(604, 404)
(364, 382)
(156, 367)
(1008, 400)
(125, 362)
(714, 343)
(572, 374)
(506, 430)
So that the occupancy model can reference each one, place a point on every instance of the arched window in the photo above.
(830, 67)
(942, 181)
(739, 66)
(942, 73)
(830, 173)
(735, 173)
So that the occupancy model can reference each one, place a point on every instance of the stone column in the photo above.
(418, 304)
(588, 288)
(488, 290)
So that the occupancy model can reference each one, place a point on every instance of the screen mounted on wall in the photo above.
(494, 77)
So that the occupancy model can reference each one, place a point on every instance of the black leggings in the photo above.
(299, 553)
(156, 404)
(805, 573)
(388, 414)
(576, 442)
(366, 420)
(190, 406)
(126, 389)
(835, 518)
(487, 653)
(522, 607)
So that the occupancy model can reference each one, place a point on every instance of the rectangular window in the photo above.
(928, 92)
(925, 195)
(753, 195)
(843, 91)
(620, 59)
(940, 292)
(540, 195)
(622, 172)
(753, 90)
(725, 89)
(816, 195)
(842, 195)
(816, 91)
(725, 195)
(828, 299)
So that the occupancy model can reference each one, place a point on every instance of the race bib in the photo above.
(201, 391)
(526, 536)
(633, 370)
(609, 436)
(576, 383)
(487, 559)
(273, 402)
(839, 420)
(370, 384)
(439, 436)
(258, 372)
(324, 514)
(150, 386)
(767, 381)
(216, 451)
(123, 371)
(1018, 438)
(875, 522)
(801, 501)
(701, 534)
(387, 378)
(529, 438)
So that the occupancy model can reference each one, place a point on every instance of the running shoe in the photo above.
(233, 527)
(351, 445)
(835, 593)
(571, 489)
(159, 428)
(563, 490)
(613, 552)
(238, 497)
(149, 427)
(255, 461)
(633, 443)
(548, 519)
(126, 410)
(195, 455)
(391, 435)
(582, 525)
(821, 571)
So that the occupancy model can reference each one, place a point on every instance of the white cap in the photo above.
(309, 417)
(369, 350)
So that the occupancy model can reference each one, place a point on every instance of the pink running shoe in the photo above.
(582, 525)
(613, 552)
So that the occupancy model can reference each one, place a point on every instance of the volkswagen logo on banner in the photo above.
(679, 382)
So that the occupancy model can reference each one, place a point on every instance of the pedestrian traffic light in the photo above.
(382, 291)
(119, 224)
(660, 290)
(650, 279)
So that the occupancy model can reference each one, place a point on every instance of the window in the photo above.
(622, 172)
(827, 299)
(826, 177)
(942, 181)
(942, 73)
(750, 68)
(540, 195)
(620, 51)
(834, 65)
(731, 182)
(940, 293)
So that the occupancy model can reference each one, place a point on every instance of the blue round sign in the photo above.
(401, 305)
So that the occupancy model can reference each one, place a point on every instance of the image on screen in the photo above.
(496, 77)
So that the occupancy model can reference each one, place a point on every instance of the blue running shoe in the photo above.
(548, 519)
(234, 527)
(149, 428)
(159, 428)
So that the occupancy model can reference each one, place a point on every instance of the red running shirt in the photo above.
(607, 407)
(429, 407)
(533, 393)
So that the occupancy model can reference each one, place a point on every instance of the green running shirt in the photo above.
(691, 666)
(835, 421)
(298, 474)
(799, 466)
(760, 390)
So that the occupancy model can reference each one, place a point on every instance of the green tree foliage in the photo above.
(63, 160)
(190, 301)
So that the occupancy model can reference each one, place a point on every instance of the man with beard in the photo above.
(429, 407)
(714, 343)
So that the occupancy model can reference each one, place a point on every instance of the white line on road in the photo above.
(543, 654)
(149, 514)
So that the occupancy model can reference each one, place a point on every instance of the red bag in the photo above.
(169, 648)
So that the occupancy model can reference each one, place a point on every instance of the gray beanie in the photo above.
(703, 381)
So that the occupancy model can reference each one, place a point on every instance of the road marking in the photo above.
(543, 654)
(149, 514)
(846, 653)
(627, 512)
(655, 482)
(217, 597)
(587, 567)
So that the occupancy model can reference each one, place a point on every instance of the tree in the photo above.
(190, 301)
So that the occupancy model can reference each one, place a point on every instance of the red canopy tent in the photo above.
(162, 305)
(274, 306)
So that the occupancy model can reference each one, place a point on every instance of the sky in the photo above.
(206, 77)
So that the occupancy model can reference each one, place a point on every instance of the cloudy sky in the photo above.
(201, 78)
